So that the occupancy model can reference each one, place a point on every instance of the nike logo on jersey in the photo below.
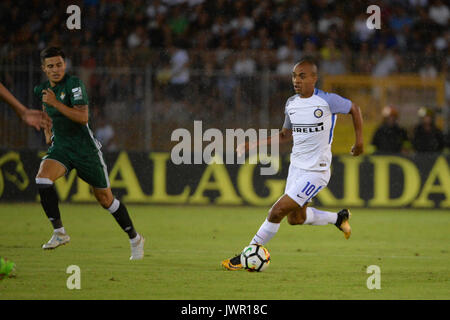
(291, 113)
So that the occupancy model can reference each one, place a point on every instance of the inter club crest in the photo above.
(318, 113)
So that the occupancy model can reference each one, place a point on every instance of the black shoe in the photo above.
(233, 263)
(342, 222)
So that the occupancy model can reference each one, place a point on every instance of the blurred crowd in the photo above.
(270, 34)
(222, 46)
(426, 136)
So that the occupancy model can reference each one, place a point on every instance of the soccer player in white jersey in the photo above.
(310, 117)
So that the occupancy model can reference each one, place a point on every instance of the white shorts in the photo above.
(302, 185)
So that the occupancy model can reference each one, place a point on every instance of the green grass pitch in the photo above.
(186, 244)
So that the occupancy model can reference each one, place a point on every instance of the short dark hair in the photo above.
(308, 60)
(52, 52)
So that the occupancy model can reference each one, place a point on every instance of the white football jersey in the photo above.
(312, 122)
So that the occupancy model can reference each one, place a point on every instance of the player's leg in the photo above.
(92, 169)
(49, 171)
(301, 186)
(270, 226)
(118, 210)
(267, 230)
(312, 216)
(316, 217)
(297, 216)
(279, 210)
(308, 187)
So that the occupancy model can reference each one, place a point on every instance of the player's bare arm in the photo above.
(33, 118)
(79, 114)
(283, 137)
(358, 147)
(47, 130)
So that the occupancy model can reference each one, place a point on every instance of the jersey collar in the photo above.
(58, 83)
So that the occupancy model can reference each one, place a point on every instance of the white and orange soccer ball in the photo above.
(255, 257)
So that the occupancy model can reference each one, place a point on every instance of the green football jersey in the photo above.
(67, 133)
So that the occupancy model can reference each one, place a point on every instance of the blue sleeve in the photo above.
(287, 122)
(337, 103)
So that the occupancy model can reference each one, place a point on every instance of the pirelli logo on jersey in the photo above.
(308, 128)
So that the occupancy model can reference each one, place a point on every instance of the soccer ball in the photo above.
(255, 257)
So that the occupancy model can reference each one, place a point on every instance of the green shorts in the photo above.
(90, 167)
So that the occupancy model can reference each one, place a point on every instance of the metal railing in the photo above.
(143, 107)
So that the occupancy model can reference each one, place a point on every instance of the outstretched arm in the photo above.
(358, 147)
(33, 118)
(47, 130)
(283, 137)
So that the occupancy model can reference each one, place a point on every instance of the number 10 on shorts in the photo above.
(309, 188)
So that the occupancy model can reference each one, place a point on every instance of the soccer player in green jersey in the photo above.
(73, 146)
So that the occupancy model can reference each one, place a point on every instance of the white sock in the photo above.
(135, 239)
(44, 181)
(316, 217)
(60, 230)
(265, 232)
(114, 206)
